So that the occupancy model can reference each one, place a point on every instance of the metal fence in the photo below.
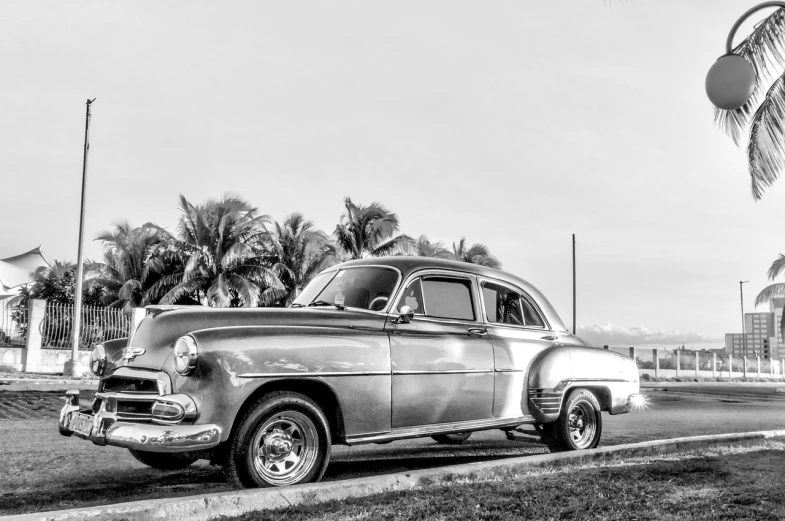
(98, 325)
(13, 324)
(702, 363)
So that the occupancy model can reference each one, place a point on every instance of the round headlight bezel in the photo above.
(98, 360)
(185, 355)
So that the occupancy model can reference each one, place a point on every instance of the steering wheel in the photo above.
(381, 299)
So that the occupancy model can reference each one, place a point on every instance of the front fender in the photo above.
(234, 362)
(612, 377)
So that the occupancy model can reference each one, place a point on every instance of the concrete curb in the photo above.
(773, 383)
(47, 384)
(209, 506)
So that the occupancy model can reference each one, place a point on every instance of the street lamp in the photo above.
(743, 327)
(731, 80)
(72, 367)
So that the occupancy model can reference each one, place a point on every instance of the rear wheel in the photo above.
(283, 439)
(164, 460)
(579, 425)
(454, 438)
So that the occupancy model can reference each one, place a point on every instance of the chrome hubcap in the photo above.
(581, 424)
(284, 448)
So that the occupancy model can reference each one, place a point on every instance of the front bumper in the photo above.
(108, 429)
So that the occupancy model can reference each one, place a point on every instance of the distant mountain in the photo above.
(609, 334)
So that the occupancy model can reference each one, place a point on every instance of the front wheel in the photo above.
(283, 439)
(164, 460)
(455, 438)
(579, 425)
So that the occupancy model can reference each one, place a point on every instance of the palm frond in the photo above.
(185, 288)
(164, 284)
(777, 267)
(773, 291)
(96, 270)
(111, 284)
(218, 293)
(398, 244)
(247, 291)
(765, 50)
(271, 296)
(236, 254)
(767, 139)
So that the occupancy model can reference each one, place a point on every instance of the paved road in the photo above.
(46, 471)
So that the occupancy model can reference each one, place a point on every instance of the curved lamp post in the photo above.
(731, 80)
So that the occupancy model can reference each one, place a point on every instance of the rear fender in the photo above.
(556, 371)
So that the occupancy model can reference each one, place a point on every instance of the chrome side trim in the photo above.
(359, 373)
(450, 371)
(312, 374)
(439, 428)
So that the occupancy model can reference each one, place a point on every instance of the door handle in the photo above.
(477, 331)
(550, 337)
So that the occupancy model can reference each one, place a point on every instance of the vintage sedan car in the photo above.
(371, 351)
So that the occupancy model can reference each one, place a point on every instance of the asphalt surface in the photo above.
(46, 471)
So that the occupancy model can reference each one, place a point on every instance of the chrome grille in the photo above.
(126, 406)
(119, 384)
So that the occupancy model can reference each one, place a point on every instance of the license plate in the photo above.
(81, 424)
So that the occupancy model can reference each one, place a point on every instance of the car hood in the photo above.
(160, 329)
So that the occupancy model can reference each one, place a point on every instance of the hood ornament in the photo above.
(129, 353)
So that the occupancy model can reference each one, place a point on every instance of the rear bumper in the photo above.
(108, 430)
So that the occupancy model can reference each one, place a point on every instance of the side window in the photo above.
(446, 297)
(531, 317)
(412, 297)
(506, 306)
(502, 305)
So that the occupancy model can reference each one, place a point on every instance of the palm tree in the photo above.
(776, 290)
(475, 254)
(369, 231)
(425, 248)
(57, 283)
(129, 262)
(223, 241)
(298, 253)
(763, 116)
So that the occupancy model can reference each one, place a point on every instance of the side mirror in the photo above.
(406, 315)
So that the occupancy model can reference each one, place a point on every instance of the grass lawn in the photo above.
(724, 483)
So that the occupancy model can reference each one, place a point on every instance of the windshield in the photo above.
(364, 288)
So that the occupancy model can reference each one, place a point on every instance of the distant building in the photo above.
(15, 271)
(763, 333)
(14, 275)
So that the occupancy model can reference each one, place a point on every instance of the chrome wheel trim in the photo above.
(582, 424)
(285, 448)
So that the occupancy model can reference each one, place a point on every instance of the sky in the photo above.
(512, 123)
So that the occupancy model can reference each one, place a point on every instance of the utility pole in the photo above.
(743, 326)
(573, 286)
(72, 367)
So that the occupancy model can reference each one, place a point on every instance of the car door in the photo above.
(442, 361)
(519, 333)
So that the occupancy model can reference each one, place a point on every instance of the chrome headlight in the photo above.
(185, 355)
(98, 360)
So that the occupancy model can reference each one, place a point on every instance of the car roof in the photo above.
(409, 264)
